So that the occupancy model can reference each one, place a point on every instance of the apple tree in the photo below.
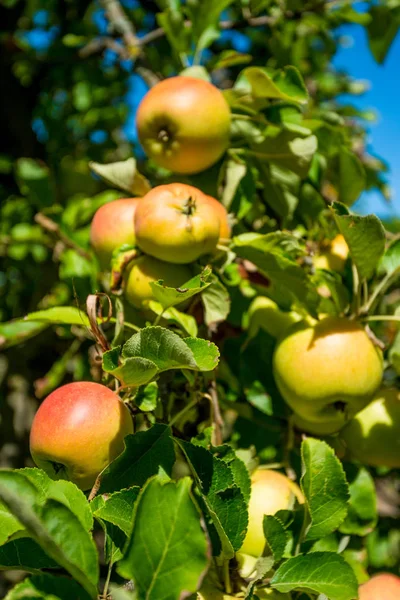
(200, 374)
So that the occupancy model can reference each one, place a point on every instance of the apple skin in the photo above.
(334, 257)
(146, 269)
(226, 229)
(265, 314)
(373, 436)
(270, 491)
(327, 370)
(322, 429)
(383, 586)
(183, 124)
(112, 226)
(81, 427)
(177, 223)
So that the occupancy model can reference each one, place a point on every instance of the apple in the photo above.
(373, 436)
(143, 271)
(323, 429)
(265, 314)
(226, 229)
(334, 256)
(183, 124)
(111, 227)
(327, 370)
(383, 586)
(270, 491)
(177, 223)
(78, 430)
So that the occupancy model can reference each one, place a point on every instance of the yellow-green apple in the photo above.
(316, 428)
(373, 436)
(226, 229)
(177, 223)
(146, 269)
(327, 370)
(265, 314)
(334, 256)
(270, 491)
(111, 227)
(383, 586)
(183, 124)
(78, 430)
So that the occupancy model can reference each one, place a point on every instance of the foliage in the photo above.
(200, 387)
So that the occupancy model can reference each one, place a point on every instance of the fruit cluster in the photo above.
(329, 371)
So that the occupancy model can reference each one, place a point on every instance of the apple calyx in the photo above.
(164, 135)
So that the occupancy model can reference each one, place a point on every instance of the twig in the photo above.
(120, 22)
(216, 413)
(52, 227)
(92, 302)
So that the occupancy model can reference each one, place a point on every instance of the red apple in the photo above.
(78, 430)
(111, 227)
(383, 586)
(183, 124)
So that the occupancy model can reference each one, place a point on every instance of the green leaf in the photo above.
(286, 84)
(275, 535)
(147, 397)
(362, 516)
(382, 30)
(216, 302)
(223, 498)
(168, 296)
(287, 149)
(325, 488)
(167, 553)
(365, 237)
(26, 555)
(60, 315)
(204, 16)
(117, 508)
(390, 261)
(186, 322)
(270, 253)
(123, 175)
(318, 572)
(145, 453)
(47, 587)
(34, 181)
(352, 177)
(65, 492)
(19, 331)
(156, 349)
(53, 526)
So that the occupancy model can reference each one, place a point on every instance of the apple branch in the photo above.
(120, 22)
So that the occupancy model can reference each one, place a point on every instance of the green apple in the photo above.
(373, 436)
(334, 256)
(270, 491)
(327, 370)
(265, 314)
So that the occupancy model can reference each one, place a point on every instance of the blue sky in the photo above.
(383, 96)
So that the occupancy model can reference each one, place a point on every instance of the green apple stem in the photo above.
(182, 412)
(382, 318)
(380, 289)
(227, 579)
(107, 582)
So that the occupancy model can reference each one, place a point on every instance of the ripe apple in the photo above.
(112, 226)
(383, 586)
(270, 491)
(325, 428)
(146, 269)
(327, 370)
(226, 229)
(177, 223)
(334, 256)
(265, 314)
(78, 430)
(183, 124)
(373, 436)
